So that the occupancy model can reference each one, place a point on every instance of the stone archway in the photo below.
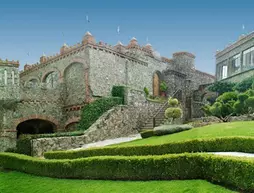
(35, 126)
(156, 84)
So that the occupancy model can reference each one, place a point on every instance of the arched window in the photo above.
(33, 83)
(52, 80)
(5, 77)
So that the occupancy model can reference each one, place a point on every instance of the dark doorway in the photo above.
(35, 126)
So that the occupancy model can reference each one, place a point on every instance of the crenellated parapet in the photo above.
(132, 51)
(9, 63)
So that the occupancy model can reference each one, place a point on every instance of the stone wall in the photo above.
(120, 121)
(7, 140)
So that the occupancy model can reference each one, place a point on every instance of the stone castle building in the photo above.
(236, 62)
(48, 96)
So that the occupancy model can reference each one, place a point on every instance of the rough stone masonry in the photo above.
(47, 97)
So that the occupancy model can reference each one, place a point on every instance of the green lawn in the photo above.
(15, 182)
(245, 128)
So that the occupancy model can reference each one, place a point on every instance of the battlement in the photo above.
(242, 39)
(89, 41)
(9, 63)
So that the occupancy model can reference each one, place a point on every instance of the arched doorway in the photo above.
(156, 84)
(35, 126)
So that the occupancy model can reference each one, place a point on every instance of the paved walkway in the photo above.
(110, 141)
(235, 154)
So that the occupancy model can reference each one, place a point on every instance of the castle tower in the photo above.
(184, 60)
(148, 49)
(9, 82)
(133, 43)
(88, 39)
(64, 48)
(43, 58)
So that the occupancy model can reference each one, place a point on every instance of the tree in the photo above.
(221, 87)
(245, 84)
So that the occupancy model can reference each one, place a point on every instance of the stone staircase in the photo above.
(158, 118)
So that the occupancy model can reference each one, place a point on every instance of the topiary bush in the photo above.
(226, 97)
(173, 113)
(119, 91)
(91, 112)
(173, 102)
(250, 104)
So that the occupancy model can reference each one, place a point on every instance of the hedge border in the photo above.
(222, 144)
(229, 171)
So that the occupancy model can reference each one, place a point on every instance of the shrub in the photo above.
(119, 91)
(230, 171)
(173, 113)
(169, 129)
(146, 91)
(24, 141)
(250, 104)
(221, 87)
(239, 108)
(163, 86)
(250, 92)
(222, 144)
(173, 102)
(91, 112)
(226, 97)
(147, 133)
(242, 97)
(244, 85)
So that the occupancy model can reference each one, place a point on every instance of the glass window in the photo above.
(248, 58)
(235, 63)
(51, 80)
(224, 72)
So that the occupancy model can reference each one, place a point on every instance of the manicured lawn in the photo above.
(11, 182)
(245, 128)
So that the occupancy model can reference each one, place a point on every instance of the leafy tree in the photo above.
(221, 87)
(244, 85)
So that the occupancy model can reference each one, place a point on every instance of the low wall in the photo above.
(120, 121)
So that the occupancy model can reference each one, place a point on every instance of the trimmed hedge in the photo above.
(230, 171)
(170, 129)
(119, 91)
(92, 111)
(147, 133)
(24, 141)
(224, 144)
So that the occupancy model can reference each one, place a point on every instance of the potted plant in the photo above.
(163, 88)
